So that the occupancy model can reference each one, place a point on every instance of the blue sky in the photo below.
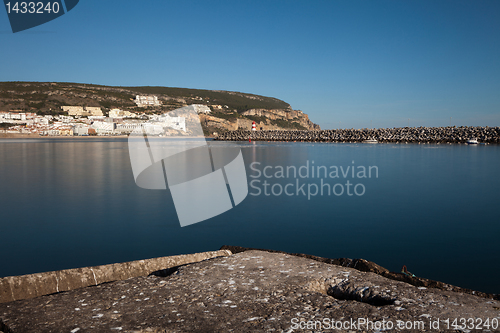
(349, 64)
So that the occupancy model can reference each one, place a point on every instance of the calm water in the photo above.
(434, 208)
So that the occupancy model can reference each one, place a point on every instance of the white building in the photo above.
(94, 111)
(65, 119)
(51, 132)
(153, 128)
(80, 130)
(200, 108)
(102, 127)
(127, 127)
(117, 113)
(97, 118)
(41, 121)
(177, 123)
(142, 100)
(82, 111)
(73, 110)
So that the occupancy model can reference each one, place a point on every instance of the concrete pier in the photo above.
(14, 288)
(252, 291)
(384, 135)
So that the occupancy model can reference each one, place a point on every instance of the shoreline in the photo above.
(85, 137)
(36, 136)
(403, 135)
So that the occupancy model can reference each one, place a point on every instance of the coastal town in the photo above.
(58, 109)
(91, 121)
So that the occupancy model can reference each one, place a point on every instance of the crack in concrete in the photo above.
(12, 292)
(95, 280)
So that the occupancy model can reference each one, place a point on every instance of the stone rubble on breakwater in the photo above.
(382, 135)
(250, 291)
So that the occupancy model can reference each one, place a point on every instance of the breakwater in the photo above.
(256, 291)
(383, 135)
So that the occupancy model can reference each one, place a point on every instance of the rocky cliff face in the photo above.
(288, 115)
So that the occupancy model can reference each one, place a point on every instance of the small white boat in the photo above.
(370, 141)
(472, 142)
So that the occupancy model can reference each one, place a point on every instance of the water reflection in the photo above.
(72, 203)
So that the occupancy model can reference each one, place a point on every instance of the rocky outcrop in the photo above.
(275, 119)
(215, 122)
(285, 114)
(255, 291)
(288, 115)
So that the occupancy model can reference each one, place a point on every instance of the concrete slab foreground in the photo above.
(252, 291)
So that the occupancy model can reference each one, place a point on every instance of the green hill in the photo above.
(47, 96)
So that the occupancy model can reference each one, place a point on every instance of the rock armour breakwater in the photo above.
(383, 135)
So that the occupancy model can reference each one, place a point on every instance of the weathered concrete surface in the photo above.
(369, 266)
(252, 291)
(33, 285)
